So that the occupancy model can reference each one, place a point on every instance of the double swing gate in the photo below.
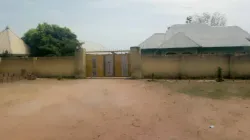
(108, 64)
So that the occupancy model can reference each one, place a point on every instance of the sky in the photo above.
(116, 24)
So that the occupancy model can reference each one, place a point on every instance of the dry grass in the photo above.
(211, 89)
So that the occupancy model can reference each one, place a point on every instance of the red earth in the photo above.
(115, 109)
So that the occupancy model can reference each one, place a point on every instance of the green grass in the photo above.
(211, 89)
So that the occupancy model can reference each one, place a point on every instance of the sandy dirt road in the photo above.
(115, 109)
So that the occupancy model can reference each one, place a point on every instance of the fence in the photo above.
(175, 66)
(46, 66)
(189, 66)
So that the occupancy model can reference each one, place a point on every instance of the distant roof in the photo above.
(91, 46)
(202, 35)
(10, 42)
(96, 48)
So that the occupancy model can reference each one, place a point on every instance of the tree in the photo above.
(51, 40)
(189, 19)
(214, 19)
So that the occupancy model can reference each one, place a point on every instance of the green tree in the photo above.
(51, 40)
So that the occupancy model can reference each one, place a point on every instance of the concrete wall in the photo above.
(54, 66)
(196, 66)
(47, 66)
(240, 66)
(15, 65)
(136, 62)
(184, 66)
(161, 66)
(188, 66)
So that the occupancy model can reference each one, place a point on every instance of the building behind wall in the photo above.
(198, 39)
(10, 43)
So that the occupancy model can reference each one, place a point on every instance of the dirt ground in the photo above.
(115, 109)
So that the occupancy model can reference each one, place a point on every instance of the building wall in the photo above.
(195, 50)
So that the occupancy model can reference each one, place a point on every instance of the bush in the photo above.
(60, 78)
(219, 75)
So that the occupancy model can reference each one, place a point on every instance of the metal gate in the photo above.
(124, 65)
(108, 65)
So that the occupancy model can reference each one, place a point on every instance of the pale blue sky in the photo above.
(115, 23)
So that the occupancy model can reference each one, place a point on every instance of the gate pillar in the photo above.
(80, 63)
(136, 62)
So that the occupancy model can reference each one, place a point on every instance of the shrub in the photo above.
(219, 75)
(60, 78)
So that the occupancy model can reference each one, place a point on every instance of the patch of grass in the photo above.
(211, 89)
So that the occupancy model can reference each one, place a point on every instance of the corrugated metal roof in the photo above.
(174, 42)
(153, 41)
(208, 36)
(10, 42)
(200, 34)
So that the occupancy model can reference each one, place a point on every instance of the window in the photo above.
(170, 53)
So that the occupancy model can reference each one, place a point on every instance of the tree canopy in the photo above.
(51, 40)
(212, 19)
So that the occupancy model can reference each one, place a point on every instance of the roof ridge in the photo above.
(190, 39)
(15, 34)
(8, 36)
(3, 30)
(149, 38)
(145, 40)
(182, 34)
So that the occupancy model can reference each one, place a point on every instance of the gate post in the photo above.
(135, 60)
(80, 63)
